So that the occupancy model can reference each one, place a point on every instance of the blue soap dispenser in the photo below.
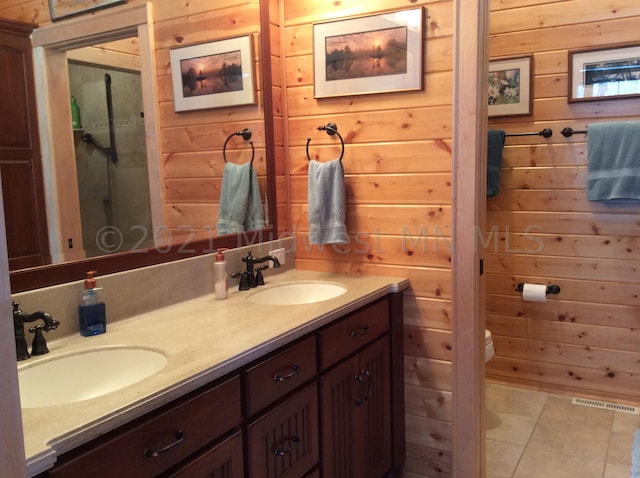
(91, 311)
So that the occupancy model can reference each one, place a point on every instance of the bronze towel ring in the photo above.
(331, 129)
(246, 135)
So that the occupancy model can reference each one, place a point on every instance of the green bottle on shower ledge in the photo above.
(75, 114)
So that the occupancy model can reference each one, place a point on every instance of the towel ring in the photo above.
(331, 129)
(246, 135)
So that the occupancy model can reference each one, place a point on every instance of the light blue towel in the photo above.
(327, 203)
(635, 456)
(495, 143)
(240, 205)
(254, 218)
(614, 161)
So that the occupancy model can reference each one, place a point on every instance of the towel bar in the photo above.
(545, 133)
(246, 135)
(331, 129)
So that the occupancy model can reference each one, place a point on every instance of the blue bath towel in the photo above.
(614, 161)
(240, 205)
(327, 203)
(635, 456)
(495, 143)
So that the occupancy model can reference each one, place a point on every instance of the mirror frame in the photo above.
(47, 275)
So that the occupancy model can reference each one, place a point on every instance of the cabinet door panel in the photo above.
(284, 442)
(222, 461)
(375, 412)
(356, 415)
(339, 392)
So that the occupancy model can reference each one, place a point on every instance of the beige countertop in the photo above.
(202, 339)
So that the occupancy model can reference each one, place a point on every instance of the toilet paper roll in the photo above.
(534, 293)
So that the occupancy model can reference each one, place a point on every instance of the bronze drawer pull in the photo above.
(360, 332)
(364, 396)
(281, 378)
(295, 440)
(179, 439)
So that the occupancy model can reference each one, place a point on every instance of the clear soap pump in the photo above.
(91, 311)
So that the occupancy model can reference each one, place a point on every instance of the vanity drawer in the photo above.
(358, 329)
(278, 375)
(160, 440)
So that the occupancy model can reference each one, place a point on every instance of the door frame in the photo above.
(471, 19)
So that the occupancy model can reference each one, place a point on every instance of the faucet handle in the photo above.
(39, 345)
(244, 280)
(259, 278)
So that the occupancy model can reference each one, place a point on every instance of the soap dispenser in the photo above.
(91, 311)
(220, 278)
(76, 122)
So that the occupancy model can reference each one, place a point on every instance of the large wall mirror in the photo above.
(86, 183)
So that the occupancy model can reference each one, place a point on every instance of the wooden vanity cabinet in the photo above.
(328, 405)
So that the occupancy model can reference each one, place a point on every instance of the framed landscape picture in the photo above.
(64, 8)
(605, 73)
(373, 54)
(213, 75)
(509, 86)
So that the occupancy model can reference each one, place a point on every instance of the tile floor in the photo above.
(534, 434)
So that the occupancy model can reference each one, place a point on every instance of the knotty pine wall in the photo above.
(191, 142)
(586, 340)
(398, 184)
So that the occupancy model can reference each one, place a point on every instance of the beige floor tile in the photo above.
(509, 428)
(615, 470)
(516, 401)
(559, 409)
(620, 448)
(502, 458)
(625, 422)
(539, 462)
(573, 439)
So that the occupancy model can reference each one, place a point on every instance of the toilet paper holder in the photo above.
(551, 289)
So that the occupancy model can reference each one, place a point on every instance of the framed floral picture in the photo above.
(510, 86)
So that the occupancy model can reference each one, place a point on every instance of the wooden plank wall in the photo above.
(398, 183)
(192, 141)
(586, 340)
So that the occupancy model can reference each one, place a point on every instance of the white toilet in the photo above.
(488, 346)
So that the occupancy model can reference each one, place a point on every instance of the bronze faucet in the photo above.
(39, 346)
(253, 277)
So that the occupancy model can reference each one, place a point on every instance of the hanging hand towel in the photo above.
(327, 203)
(495, 143)
(234, 198)
(614, 161)
(254, 218)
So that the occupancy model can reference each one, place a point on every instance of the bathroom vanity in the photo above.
(249, 389)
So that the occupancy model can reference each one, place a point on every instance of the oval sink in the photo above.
(296, 293)
(85, 375)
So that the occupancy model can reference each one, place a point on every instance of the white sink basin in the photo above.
(296, 293)
(85, 375)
